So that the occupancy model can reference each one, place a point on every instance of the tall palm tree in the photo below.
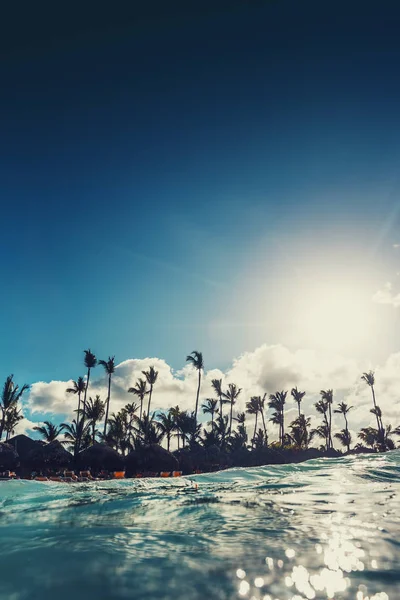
(94, 414)
(217, 386)
(231, 395)
(10, 396)
(369, 379)
(90, 363)
(210, 408)
(277, 403)
(196, 360)
(323, 432)
(166, 424)
(78, 387)
(109, 367)
(151, 377)
(297, 397)
(49, 431)
(300, 434)
(327, 396)
(261, 404)
(140, 390)
(344, 409)
(252, 408)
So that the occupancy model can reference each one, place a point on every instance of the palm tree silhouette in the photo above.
(151, 377)
(130, 411)
(90, 363)
(300, 434)
(327, 397)
(322, 407)
(369, 379)
(217, 386)
(13, 417)
(166, 424)
(78, 387)
(231, 395)
(196, 360)
(140, 390)
(175, 412)
(277, 403)
(252, 408)
(210, 408)
(77, 435)
(344, 409)
(10, 396)
(297, 397)
(94, 414)
(109, 367)
(48, 431)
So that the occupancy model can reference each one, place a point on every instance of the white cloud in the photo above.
(387, 296)
(266, 369)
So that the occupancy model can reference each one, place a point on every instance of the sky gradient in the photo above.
(193, 177)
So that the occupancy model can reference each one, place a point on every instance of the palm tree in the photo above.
(322, 407)
(323, 432)
(78, 387)
(344, 409)
(210, 408)
(109, 367)
(277, 403)
(327, 397)
(300, 434)
(140, 390)
(231, 395)
(13, 417)
(147, 431)
(130, 410)
(196, 360)
(94, 414)
(151, 377)
(77, 435)
(49, 431)
(166, 425)
(217, 386)
(344, 437)
(297, 397)
(175, 412)
(10, 396)
(252, 408)
(369, 379)
(90, 363)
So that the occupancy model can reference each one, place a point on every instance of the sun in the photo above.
(335, 316)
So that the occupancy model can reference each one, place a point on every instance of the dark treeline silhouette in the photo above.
(136, 426)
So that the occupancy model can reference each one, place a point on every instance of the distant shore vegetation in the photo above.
(137, 425)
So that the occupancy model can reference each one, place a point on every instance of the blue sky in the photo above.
(181, 182)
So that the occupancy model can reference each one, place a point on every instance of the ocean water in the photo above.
(328, 528)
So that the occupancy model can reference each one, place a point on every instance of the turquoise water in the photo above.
(328, 528)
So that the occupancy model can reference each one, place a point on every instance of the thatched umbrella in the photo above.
(151, 458)
(23, 445)
(55, 455)
(100, 456)
(8, 457)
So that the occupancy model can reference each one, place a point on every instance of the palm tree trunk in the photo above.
(148, 405)
(197, 398)
(168, 441)
(79, 405)
(220, 404)
(298, 404)
(330, 426)
(141, 408)
(283, 426)
(3, 420)
(93, 432)
(108, 404)
(212, 421)
(379, 423)
(86, 389)
(255, 431)
(230, 423)
(263, 420)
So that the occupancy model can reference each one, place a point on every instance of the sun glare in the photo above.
(336, 317)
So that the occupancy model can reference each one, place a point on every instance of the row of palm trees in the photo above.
(126, 428)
